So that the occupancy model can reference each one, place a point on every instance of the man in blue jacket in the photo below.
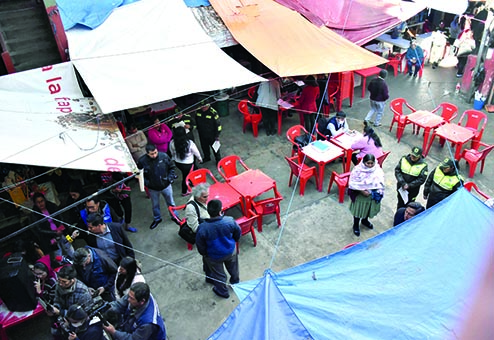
(97, 271)
(216, 241)
(141, 318)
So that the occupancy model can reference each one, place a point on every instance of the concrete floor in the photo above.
(314, 225)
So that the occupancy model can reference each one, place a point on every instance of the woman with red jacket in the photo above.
(306, 103)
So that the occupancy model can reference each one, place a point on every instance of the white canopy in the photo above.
(450, 6)
(45, 121)
(150, 51)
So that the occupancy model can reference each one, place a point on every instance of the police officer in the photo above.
(442, 182)
(209, 129)
(410, 173)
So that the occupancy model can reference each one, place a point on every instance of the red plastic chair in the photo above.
(303, 171)
(227, 166)
(250, 118)
(247, 227)
(421, 65)
(448, 112)
(331, 94)
(199, 176)
(382, 158)
(252, 92)
(395, 61)
(175, 212)
(399, 116)
(346, 83)
(473, 157)
(265, 207)
(320, 135)
(475, 121)
(471, 185)
(293, 132)
(341, 181)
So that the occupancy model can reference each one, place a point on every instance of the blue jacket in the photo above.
(217, 237)
(416, 53)
(100, 272)
(139, 322)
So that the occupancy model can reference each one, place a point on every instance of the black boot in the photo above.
(367, 223)
(356, 229)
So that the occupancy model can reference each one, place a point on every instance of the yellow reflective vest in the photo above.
(446, 182)
(411, 169)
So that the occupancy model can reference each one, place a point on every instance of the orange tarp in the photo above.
(287, 43)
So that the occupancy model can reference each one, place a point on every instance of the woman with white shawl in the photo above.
(366, 189)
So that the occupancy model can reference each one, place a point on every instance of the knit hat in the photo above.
(416, 151)
(383, 73)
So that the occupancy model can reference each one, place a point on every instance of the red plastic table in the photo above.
(367, 72)
(9, 319)
(323, 152)
(253, 183)
(426, 120)
(345, 141)
(456, 134)
(228, 196)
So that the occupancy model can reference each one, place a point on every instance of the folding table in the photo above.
(323, 152)
(367, 72)
(456, 134)
(426, 120)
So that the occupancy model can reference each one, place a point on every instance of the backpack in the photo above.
(185, 231)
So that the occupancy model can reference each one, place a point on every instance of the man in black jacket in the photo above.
(110, 238)
(159, 174)
(378, 96)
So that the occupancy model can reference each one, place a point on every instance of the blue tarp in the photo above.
(197, 3)
(88, 13)
(410, 282)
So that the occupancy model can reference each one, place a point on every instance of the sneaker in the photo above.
(377, 124)
(225, 296)
(186, 194)
(155, 224)
(409, 74)
(131, 229)
(458, 75)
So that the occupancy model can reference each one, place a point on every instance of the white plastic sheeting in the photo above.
(150, 51)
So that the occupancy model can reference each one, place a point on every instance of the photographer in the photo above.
(141, 318)
(68, 291)
(79, 326)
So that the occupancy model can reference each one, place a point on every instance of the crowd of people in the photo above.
(105, 267)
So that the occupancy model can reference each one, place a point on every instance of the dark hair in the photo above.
(95, 199)
(182, 143)
(214, 208)
(141, 291)
(76, 312)
(416, 206)
(131, 126)
(368, 131)
(67, 272)
(383, 73)
(76, 186)
(95, 219)
(341, 114)
(124, 281)
(41, 266)
(150, 147)
(369, 157)
(38, 195)
(311, 81)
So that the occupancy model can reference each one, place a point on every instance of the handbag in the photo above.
(185, 231)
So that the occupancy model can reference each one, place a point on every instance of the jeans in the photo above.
(155, 199)
(376, 107)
